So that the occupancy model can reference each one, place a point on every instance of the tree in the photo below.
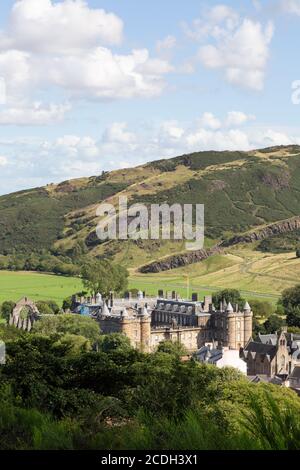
(172, 347)
(69, 324)
(261, 308)
(290, 300)
(67, 304)
(7, 309)
(298, 252)
(293, 317)
(115, 342)
(230, 295)
(294, 329)
(48, 307)
(257, 328)
(76, 344)
(273, 324)
(104, 277)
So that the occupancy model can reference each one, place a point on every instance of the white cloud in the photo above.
(45, 27)
(165, 45)
(271, 137)
(35, 114)
(237, 46)
(237, 118)
(171, 130)
(75, 147)
(118, 133)
(215, 22)
(291, 6)
(208, 120)
(63, 45)
(72, 156)
(217, 140)
(3, 161)
(101, 74)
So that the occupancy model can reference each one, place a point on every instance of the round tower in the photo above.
(231, 326)
(145, 320)
(140, 295)
(248, 323)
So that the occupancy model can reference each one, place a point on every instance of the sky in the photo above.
(94, 85)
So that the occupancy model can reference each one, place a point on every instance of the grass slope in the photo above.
(14, 285)
(256, 274)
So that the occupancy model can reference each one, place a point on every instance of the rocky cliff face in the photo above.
(268, 231)
(177, 261)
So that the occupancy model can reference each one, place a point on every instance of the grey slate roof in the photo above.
(261, 348)
(268, 339)
(296, 373)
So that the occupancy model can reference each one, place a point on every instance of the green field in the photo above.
(14, 285)
(257, 275)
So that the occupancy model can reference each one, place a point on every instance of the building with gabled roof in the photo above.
(294, 378)
(268, 355)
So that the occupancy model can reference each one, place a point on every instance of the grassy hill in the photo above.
(14, 286)
(241, 191)
(257, 275)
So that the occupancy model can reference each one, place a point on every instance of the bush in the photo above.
(47, 307)
(69, 323)
(7, 309)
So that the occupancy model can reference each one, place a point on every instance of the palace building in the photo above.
(148, 321)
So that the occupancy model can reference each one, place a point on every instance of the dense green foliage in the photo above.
(261, 308)
(290, 300)
(48, 307)
(6, 309)
(255, 193)
(71, 324)
(104, 277)
(172, 347)
(229, 295)
(118, 398)
(272, 325)
(285, 242)
(32, 220)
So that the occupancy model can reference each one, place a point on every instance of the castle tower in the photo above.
(145, 320)
(248, 323)
(231, 326)
(105, 312)
(140, 295)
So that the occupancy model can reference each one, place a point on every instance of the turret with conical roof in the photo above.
(124, 313)
(145, 312)
(140, 295)
(105, 310)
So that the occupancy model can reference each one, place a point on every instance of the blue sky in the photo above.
(99, 85)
